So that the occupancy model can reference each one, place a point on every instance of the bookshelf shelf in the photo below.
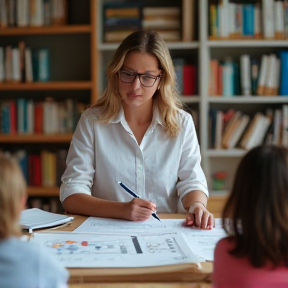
(247, 43)
(171, 45)
(36, 138)
(43, 191)
(67, 29)
(246, 100)
(190, 99)
(225, 153)
(66, 85)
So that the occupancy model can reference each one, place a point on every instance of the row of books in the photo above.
(49, 204)
(23, 13)
(166, 21)
(231, 19)
(233, 128)
(26, 116)
(250, 76)
(186, 77)
(43, 169)
(121, 18)
(24, 64)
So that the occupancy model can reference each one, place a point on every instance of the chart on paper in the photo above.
(202, 242)
(116, 250)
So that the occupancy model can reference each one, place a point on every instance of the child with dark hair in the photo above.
(255, 217)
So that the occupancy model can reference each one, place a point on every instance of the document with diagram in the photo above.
(201, 242)
(117, 249)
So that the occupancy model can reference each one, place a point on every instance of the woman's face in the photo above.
(133, 93)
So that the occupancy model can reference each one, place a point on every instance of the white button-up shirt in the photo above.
(160, 169)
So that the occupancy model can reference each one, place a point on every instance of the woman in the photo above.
(137, 133)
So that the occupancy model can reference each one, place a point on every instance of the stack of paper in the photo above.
(36, 218)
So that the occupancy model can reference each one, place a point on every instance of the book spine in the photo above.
(284, 72)
(268, 19)
(262, 74)
(279, 19)
(43, 65)
(257, 21)
(248, 20)
(3, 14)
(245, 70)
(189, 81)
(2, 65)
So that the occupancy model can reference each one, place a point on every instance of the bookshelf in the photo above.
(202, 48)
(71, 77)
(84, 77)
(234, 46)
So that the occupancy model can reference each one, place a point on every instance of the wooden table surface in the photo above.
(181, 275)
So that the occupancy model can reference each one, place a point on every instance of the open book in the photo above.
(36, 218)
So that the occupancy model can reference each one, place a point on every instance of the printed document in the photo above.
(117, 250)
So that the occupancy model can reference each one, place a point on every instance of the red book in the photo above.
(38, 119)
(37, 170)
(189, 79)
(13, 117)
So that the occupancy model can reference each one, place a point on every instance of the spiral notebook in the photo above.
(35, 218)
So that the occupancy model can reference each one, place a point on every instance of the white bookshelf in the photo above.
(205, 49)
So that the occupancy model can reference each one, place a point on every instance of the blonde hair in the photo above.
(167, 96)
(12, 190)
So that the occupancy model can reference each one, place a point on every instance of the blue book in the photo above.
(228, 78)
(178, 66)
(43, 65)
(237, 88)
(284, 72)
(22, 115)
(22, 158)
(248, 20)
(5, 118)
(34, 56)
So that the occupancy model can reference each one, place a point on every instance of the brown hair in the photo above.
(167, 96)
(258, 207)
(12, 190)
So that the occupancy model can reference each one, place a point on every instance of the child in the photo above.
(255, 254)
(22, 264)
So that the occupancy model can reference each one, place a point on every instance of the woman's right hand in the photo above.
(138, 209)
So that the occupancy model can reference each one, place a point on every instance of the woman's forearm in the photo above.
(194, 196)
(88, 205)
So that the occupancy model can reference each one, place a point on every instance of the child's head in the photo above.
(12, 196)
(258, 206)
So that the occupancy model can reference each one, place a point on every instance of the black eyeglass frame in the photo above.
(139, 76)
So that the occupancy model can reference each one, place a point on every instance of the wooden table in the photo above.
(182, 275)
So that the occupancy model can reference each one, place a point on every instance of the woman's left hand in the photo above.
(199, 216)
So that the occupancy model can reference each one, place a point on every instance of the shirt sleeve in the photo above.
(79, 173)
(190, 174)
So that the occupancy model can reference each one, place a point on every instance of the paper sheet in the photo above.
(201, 242)
(117, 250)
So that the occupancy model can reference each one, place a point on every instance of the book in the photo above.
(35, 218)
(188, 19)
(284, 72)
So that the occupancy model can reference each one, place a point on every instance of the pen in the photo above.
(136, 196)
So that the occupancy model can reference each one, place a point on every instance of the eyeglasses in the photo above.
(145, 80)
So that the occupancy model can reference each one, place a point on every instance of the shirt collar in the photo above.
(156, 116)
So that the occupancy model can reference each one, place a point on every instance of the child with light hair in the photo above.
(22, 264)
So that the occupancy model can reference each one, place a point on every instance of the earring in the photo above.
(158, 88)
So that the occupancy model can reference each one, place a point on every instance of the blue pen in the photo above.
(136, 196)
